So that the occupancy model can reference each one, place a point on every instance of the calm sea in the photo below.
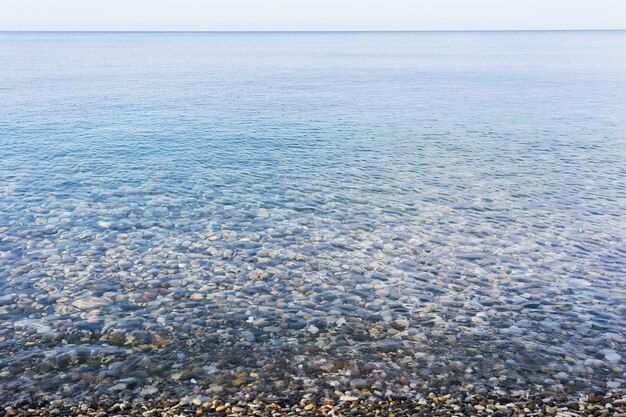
(219, 213)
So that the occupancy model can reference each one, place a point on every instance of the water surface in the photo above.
(205, 213)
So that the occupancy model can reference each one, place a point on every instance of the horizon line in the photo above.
(305, 31)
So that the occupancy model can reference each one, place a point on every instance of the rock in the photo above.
(593, 363)
(348, 398)
(387, 345)
(89, 303)
(117, 337)
(312, 329)
(400, 324)
(125, 264)
(149, 390)
(118, 387)
(359, 383)
(297, 324)
(612, 356)
(249, 336)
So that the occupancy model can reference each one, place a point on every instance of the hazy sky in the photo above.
(310, 14)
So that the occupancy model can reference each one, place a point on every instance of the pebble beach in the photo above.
(345, 405)
(215, 224)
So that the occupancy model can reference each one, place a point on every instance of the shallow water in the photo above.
(209, 214)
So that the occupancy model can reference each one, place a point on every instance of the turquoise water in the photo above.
(245, 213)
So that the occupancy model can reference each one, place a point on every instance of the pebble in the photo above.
(89, 303)
(450, 404)
(348, 398)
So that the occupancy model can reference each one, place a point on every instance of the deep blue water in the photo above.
(415, 209)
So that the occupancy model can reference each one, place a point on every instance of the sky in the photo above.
(303, 15)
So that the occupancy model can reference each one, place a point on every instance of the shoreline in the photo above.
(451, 404)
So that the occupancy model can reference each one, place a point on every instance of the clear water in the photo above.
(247, 213)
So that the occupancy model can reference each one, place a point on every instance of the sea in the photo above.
(317, 213)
